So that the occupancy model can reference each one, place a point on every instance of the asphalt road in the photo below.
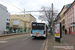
(21, 42)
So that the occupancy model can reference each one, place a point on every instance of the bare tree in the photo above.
(46, 14)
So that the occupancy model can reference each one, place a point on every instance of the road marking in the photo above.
(43, 44)
(25, 38)
(3, 41)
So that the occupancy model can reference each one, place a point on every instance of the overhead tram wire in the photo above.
(21, 3)
(6, 10)
(35, 11)
(13, 5)
(30, 11)
(25, 11)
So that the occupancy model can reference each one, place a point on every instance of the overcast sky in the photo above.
(15, 6)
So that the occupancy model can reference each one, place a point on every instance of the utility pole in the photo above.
(52, 18)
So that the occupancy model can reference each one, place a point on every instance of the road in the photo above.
(21, 42)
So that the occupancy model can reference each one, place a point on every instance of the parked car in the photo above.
(5, 31)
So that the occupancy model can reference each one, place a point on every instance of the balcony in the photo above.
(7, 21)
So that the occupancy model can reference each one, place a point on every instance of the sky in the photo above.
(17, 6)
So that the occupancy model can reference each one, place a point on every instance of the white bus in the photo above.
(39, 30)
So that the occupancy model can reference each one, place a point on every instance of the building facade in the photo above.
(22, 21)
(70, 19)
(57, 19)
(3, 18)
(62, 16)
(8, 20)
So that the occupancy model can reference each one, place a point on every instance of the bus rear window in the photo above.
(38, 26)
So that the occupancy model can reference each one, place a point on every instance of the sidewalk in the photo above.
(67, 42)
(13, 34)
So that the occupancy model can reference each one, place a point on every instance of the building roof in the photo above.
(66, 6)
(32, 16)
(69, 6)
(25, 14)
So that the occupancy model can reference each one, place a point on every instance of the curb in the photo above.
(46, 45)
(11, 34)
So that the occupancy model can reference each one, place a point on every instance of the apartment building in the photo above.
(3, 18)
(22, 21)
(8, 20)
(57, 19)
(70, 19)
(62, 16)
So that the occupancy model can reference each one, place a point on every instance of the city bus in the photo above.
(39, 29)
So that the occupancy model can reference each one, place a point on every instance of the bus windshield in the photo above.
(38, 26)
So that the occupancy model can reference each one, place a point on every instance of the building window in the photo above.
(71, 10)
(70, 20)
(73, 19)
(7, 19)
(9, 15)
(7, 23)
(67, 21)
(7, 26)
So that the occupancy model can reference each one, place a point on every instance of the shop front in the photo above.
(72, 28)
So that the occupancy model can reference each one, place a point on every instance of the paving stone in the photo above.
(67, 42)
